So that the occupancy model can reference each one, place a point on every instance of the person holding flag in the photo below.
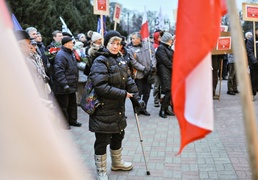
(143, 61)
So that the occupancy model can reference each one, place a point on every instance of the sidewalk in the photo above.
(221, 155)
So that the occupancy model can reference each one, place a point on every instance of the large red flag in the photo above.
(197, 30)
(145, 26)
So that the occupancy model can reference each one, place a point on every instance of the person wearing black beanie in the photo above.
(65, 81)
(113, 86)
(66, 40)
(109, 35)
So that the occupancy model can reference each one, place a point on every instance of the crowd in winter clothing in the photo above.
(118, 70)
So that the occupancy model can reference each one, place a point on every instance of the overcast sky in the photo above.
(167, 6)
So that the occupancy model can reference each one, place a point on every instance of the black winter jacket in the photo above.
(252, 60)
(65, 72)
(164, 55)
(111, 83)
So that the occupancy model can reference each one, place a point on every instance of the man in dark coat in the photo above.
(66, 80)
(252, 61)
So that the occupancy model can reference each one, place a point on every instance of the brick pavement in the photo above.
(222, 155)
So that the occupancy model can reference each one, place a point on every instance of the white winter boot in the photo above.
(118, 163)
(101, 165)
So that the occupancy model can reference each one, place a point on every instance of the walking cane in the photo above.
(140, 136)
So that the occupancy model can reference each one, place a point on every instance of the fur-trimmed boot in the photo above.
(118, 163)
(101, 165)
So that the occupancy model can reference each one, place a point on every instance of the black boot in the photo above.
(145, 112)
(169, 113)
(162, 113)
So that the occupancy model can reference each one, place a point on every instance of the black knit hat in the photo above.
(109, 35)
(66, 40)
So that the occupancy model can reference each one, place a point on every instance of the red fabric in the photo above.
(223, 7)
(77, 56)
(145, 27)
(156, 40)
(144, 30)
(197, 31)
(54, 50)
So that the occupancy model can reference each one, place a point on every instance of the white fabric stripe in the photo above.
(198, 103)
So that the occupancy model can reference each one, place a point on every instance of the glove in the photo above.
(153, 69)
(66, 88)
(145, 72)
(141, 104)
(137, 103)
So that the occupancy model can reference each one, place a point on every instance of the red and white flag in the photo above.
(145, 26)
(197, 30)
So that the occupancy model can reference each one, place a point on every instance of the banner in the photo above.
(101, 7)
(117, 13)
(250, 12)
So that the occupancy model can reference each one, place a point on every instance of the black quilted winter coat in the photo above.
(111, 83)
(164, 56)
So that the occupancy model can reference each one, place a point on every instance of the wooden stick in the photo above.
(102, 28)
(245, 86)
(220, 76)
(254, 39)
(115, 26)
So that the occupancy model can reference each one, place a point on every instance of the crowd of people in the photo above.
(118, 70)
(228, 68)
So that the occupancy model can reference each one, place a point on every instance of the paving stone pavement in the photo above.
(221, 155)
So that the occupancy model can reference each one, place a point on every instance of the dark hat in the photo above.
(109, 35)
(21, 34)
(67, 34)
(66, 40)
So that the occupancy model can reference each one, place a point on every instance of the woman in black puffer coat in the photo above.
(164, 56)
(112, 85)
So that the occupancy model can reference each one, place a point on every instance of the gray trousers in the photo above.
(156, 90)
(232, 82)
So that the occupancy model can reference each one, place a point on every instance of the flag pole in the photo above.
(115, 26)
(220, 76)
(254, 39)
(101, 28)
(245, 87)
